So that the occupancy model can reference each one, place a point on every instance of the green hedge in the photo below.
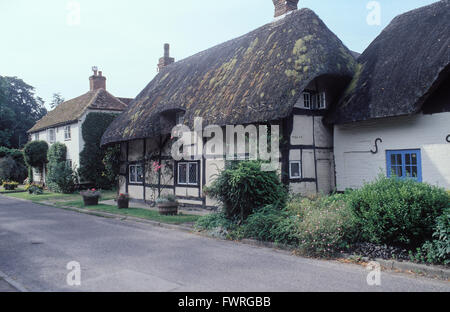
(92, 167)
(397, 212)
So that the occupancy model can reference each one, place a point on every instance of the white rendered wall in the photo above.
(355, 164)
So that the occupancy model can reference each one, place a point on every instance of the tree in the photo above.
(57, 99)
(35, 154)
(20, 109)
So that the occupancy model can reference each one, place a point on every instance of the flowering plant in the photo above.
(91, 193)
(123, 196)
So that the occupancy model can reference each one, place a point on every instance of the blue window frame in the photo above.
(404, 164)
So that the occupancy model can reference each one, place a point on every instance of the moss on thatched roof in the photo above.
(254, 78)
(398, 71)
(70, 111)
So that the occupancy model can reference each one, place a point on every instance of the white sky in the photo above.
(125, 38)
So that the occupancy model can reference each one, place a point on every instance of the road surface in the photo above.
(38, 242)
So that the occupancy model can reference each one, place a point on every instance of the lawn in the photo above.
(135, 212)
(56, 197)
(18, 190)
(75, 200)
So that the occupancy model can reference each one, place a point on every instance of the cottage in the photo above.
(395, 116)
(286, 73)
(64, 123)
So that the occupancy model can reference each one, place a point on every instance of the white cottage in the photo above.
(395, 116)
(63, 124)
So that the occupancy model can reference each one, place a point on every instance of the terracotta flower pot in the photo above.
(168, 208)
(90, 200)
(123, 203)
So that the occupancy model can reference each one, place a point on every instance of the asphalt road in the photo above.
(37, 243)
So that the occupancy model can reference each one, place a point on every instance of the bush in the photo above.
(397, 212)
(10, 186)
(273, 225)
(438, 250)
(244, 188)
(12, 170)
(35, 189)
(60, 177)
(326, 225)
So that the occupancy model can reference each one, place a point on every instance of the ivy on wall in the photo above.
(92, 158)
(60, 176)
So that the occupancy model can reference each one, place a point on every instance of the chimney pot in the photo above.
(97, 81)
(166, 60)
(283, 7)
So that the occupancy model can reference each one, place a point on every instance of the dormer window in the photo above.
(307, 100)
(313, 100)
(179, 119)
(321, 101)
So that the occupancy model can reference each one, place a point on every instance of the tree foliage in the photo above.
(20, 109)
(92, 166)
(35, 155)
(57, 99)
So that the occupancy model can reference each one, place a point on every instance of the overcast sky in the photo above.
(45, 44)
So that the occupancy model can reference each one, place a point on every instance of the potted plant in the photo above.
(10, 186)
(123, 201)
(91, 197)
(167, 205)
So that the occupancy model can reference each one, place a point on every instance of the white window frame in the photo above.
(49, 136)
(299, 162)
(36, 136)
(307, 99)
(69, 163)
(321, 100)
(179, 118)
(188, 164)
(67, 133)
(134, 179)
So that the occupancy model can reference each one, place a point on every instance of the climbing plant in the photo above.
(92, 158)
(60, 176)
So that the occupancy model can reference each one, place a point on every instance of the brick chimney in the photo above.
(97, 81)
(166, 60)
(283, 7)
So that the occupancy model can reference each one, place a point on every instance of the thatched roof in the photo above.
(70, 111)
(398, 71)
(254, 78)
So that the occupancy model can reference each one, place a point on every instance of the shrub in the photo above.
(273, 225)
(12, 170)
(35, 155)
(244, 188)
(214, 220)
(327, 224)
(60, 177)
(397, 212)
(92, 158)
(10, 186)
(35, 189)
(437, 251)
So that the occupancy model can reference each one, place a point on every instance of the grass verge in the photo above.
(134, 212)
